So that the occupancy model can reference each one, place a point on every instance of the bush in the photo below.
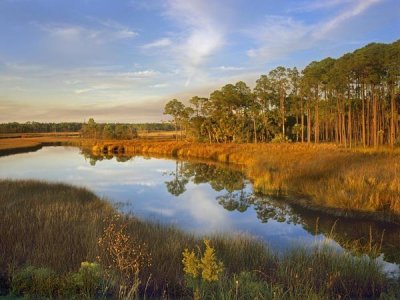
(87, 282)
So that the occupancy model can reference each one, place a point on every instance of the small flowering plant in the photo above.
(201, 268)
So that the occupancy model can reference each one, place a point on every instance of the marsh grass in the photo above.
(53, 228)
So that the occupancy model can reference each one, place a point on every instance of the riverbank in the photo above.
(356, 183)
(54, 238)
(12, 144)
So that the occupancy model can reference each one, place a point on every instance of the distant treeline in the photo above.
(38, 127)
(352, 100)
(92, 130)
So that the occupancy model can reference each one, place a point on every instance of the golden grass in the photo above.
(158, 135)
(38, 134)
(26, 144)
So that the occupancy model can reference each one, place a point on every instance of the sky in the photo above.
(121, 61)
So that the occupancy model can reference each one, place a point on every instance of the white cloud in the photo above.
(228, 68)
(140, 74)
(341, 18)
(163, 42)
(202, 32)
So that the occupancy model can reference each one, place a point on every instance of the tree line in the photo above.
(39, 127)
(352, 100)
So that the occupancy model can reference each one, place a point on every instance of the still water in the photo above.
(198, 197)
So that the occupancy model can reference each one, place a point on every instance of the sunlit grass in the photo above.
(56, 227)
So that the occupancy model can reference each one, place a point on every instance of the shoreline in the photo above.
(236, 154)
(249, 157)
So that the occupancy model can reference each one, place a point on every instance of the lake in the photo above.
(201, 198)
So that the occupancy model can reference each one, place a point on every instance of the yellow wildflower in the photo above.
(190, 263)
(209, 264)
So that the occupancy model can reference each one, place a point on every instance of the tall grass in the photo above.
(53, 228)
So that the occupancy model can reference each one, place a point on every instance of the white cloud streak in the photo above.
(228, 68)
(163, 42)
(341, 18)
(105, 31)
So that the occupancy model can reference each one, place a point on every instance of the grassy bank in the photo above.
(48, 230)
(30, 142)
(337, 180)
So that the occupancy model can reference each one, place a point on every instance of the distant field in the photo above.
(31, 142)
(158, 135)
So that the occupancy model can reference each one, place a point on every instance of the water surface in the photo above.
(203, 198)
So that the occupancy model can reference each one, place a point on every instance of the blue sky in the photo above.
(121, 61)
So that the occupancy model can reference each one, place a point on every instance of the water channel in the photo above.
(202, 198)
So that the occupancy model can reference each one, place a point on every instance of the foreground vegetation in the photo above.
(61, 241)
(323, 176)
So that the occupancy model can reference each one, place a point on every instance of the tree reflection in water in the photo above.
(237, 196)
(177, 185)
(349, 233)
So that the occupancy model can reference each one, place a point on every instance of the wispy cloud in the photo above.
(277, 37)
(348, 13)
(202, 34)
(104, 31)
(280, 35)
(228, 68)
(163, 42)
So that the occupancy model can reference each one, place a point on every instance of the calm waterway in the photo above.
(202, 198)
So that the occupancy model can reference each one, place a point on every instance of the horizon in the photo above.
(121, 62)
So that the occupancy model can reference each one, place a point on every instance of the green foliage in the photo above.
(279, 138)
(32, 281)
(87, 282)
(118, 131)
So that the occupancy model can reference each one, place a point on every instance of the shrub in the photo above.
(87, 282)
